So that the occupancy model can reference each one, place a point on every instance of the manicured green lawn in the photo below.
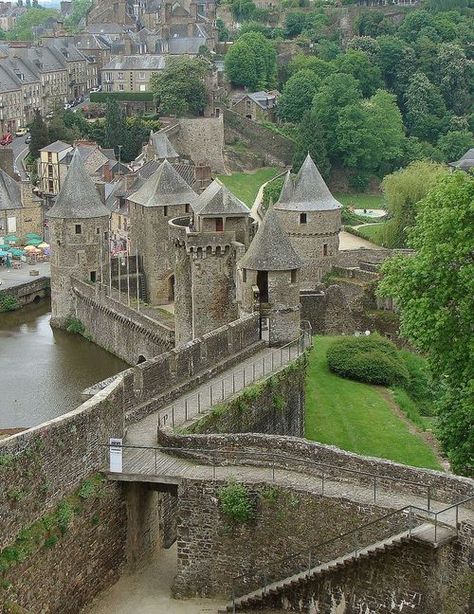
(373, 232)
(246, 185)
(355, 416)
(361, 201)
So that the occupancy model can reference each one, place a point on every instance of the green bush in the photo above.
(8, 302)
(235, 502)
(75, 326)
(419, 385)
(372, 359)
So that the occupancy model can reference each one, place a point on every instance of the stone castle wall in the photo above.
(31, 291)
(274, 148)
(117, 328)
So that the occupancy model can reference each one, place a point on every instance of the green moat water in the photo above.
(43, 371)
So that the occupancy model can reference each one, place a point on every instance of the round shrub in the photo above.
(373, 360)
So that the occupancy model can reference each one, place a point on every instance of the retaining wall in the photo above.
(31, 291)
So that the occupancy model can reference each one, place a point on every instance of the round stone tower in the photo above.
(79, 226)
(268, 277)
(311, 217)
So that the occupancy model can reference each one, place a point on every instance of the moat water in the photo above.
(43, 371)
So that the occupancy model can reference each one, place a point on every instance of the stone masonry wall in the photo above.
(213, 548)
(414, 578)
(27, 292)
(274, 405)
(200, 139)
(275, 148)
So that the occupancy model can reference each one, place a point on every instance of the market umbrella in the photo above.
(11, 239)
(16, 252)
(34, 242)
(4, 247)
(3, 253)
(43, 245)
(31, 249)
(33, 235)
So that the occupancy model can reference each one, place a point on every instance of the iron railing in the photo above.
(216, 392)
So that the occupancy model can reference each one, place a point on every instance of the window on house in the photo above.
(262, 283)
(93, 276)
(186, 208)
(51, 187)
(78, 229)
(97, 231)
(303, 218)
(293, 276)
(165, 211)
(121, 87)
(244, 275)
(219, 224)
(325, 249)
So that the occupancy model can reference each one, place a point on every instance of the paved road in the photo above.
(20, 150)
(10, 278)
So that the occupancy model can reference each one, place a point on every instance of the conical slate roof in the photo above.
(466, 162)
(287, 189)
(78, 197)
(271, 248)
(10, 192)
(163, 147)
(309, 193)
(165, 187)
(219, 200)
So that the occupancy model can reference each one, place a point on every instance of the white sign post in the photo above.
(115, 455)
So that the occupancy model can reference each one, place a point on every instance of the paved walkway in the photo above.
(348, 241)
(213, 392)
(9, 278)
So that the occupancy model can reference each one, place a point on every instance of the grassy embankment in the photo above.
(246, 185)
(359, 417)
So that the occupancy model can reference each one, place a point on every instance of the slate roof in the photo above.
(219, 200)
(56, 147)
(165, 187)
(271, 248)
(136, 62)
(307, 192)
(162, 146)
(466, 162)
(78, 198)
(10, 192)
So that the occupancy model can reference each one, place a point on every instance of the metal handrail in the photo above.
(407, 509)
(299, 343)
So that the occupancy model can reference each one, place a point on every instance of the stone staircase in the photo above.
(425, 532)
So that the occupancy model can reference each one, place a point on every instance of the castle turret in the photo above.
(79, 226)
(311, 217)
(269, 281)
(165, 195)
(206, 250)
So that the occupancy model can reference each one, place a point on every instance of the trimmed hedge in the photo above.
(125, 96)
(372, 360)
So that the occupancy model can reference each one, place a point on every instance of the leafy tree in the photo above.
(358, 64)
(414, 149)
(242, 10)
(180, 89)
(295, 23)
(372, 23)
(370, 134)
(297, 95)
(25, 23)
(455, 143)
(137, 135)
(403, 190)
(115, 127)
(434, 291)
(367, 44)
(310, 139)
(397, 62)
(222, 30)
(455, 76)
(251, 61)
(80, 8)
(58, 131)
(319, 67)
(39, 135)
(425, 108)
(414, 23)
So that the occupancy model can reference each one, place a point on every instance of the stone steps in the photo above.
(424, 532)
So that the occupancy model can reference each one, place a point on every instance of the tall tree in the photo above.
(455, 77)
(403, 190)
(425, 108)
(297, 95)
(115, 127)
(39, 135)
(363, 69)
(251, 61)
(310, 139)
(434, 290)
(180, 88)
(455, 143)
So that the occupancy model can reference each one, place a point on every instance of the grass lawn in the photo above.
(356, 417)
(373, 232)
(361, 201)
(246, 185)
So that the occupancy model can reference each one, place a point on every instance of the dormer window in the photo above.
(303, 218)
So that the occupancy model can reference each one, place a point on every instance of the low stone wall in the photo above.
(353, 257)
(31, 291)
(274, 405)
(413, 578)
(274, 148)
(120, 330)
(309, 456)
(285, 525)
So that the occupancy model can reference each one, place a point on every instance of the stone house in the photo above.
(49, 170)
(257, 105)
(20, 209)
(9, 15)
(131, 73)
(11, 100)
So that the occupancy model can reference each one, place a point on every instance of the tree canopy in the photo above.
(434, 290)
(251, 62)
(180, 88)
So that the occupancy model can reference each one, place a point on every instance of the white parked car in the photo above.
(67, 106)
(96, 89)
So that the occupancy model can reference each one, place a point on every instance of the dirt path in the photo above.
(149, 591)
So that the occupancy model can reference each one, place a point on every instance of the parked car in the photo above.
(96, 89)
(6, 139)
(21, 131)
(28, 139)
(67, 106)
